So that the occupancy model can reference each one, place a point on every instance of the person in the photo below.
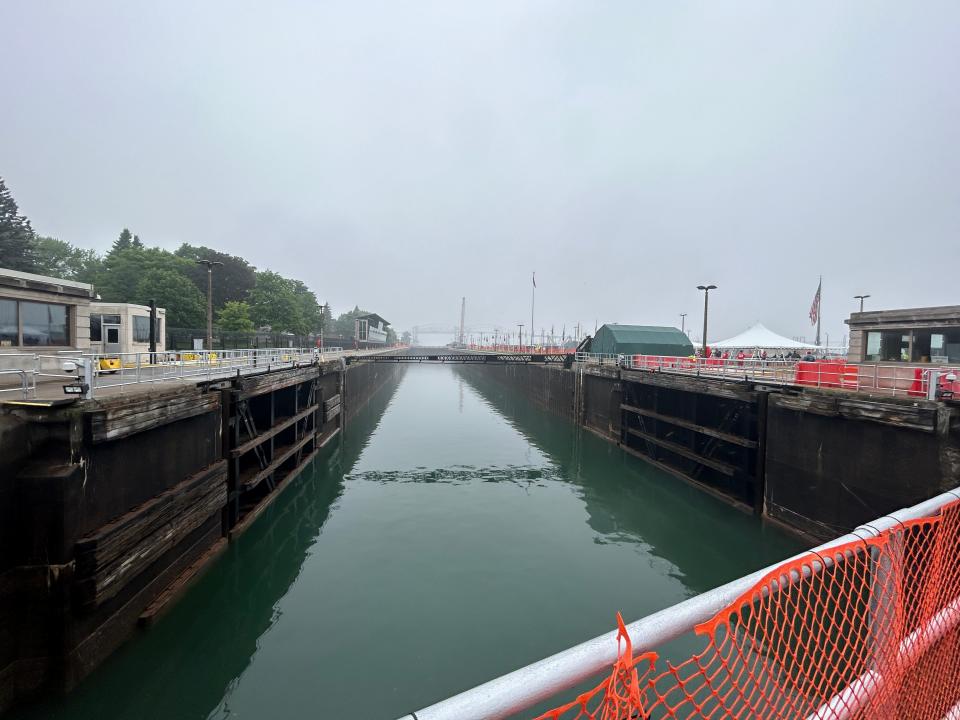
(741, 356)
(763, 355)
(809, 357)
(726, 355)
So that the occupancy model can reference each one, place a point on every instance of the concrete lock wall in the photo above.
(109, 508)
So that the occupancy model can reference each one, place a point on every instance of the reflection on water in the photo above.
(453, 535)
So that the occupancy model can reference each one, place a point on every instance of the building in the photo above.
(40, 314)
(615, 339)
(913, 335)
(124, 328)
(371, 329)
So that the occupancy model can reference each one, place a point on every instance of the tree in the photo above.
(273, 302)
(235, 316)
(124, 242)
(345, 326)
(16, 235)
(327, 317)
(310, 315)
(231, 282)
(406, 337)
(185, 306)
(122, 271)
(60, 259)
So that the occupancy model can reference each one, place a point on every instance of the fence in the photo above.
(90, 372)
(921, 381)
(865, 626)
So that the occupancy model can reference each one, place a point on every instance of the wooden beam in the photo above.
(673, 447)
(254, 478)
(729, 388)
(719, 434)
(264, 436)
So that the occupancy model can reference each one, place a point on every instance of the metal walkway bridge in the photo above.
(463, 358)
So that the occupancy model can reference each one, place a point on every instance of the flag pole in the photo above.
(533, 297)
(819, 307)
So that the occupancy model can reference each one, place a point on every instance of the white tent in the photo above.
(761, 337)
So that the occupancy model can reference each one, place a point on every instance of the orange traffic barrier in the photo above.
(868, 630)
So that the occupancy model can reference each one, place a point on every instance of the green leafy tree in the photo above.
(185, 306)
(16, 235)
(345, 326)
(60, 259)
(235, 316)
(231, 282)
(310, 311)
(274, 302)
(122, 271)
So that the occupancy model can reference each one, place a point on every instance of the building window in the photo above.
(9, 323)
(141, 329)
(938, 345)
(43, 324)
(887, 346)
(95, 328)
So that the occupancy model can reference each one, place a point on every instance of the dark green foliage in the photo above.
(172, 290)
(234, 316)
(16, 235)
(60, 259)
(232, 281)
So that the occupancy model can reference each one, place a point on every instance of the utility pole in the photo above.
(683, 323)
(209, 264)
(520, 337)
(706, 302)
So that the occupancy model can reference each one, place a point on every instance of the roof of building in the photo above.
(43, 283)
(100, 305)
(641, 339)
(373, 316)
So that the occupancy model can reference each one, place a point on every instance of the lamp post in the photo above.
(520, 338)
(683, 323)
(209, 264)
(861, 298)
(706, 303)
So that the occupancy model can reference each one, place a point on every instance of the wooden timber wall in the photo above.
(817, 461)
(109, 508)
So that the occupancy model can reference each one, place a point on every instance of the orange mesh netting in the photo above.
(865, 630)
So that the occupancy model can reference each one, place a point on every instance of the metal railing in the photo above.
(119, 370)
(524, 688)
(918, 381)
(589, 358)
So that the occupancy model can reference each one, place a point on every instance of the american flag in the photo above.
(534, 279)
(815, 308)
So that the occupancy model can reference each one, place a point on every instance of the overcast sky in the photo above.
(400, 155)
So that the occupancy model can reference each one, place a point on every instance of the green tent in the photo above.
(617, 339)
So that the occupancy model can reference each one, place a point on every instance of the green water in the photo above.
(454, 534)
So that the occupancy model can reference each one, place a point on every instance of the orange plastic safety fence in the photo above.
(869, 630)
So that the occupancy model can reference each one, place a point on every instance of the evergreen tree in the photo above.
(16, 235)
(124, 242)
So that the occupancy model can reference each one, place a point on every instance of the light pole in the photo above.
(520, 338)
(683, 323)
(209, 264)
(706, 303)
(861, 298)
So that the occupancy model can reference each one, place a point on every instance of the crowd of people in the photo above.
(758, 355)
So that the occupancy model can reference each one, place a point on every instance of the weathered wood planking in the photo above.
(331, 413)
(702, 429)
(279, 427)
(109, 558)
(255, 477)
(268, 382)
(115, 420)
(913, 416)
(331, 402)
(729, 388)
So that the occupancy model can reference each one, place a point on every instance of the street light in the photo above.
(683, 323)
(209, 264)
(706, 301)
(520, 338)
(861, 298)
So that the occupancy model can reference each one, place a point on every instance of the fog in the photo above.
(400, 156)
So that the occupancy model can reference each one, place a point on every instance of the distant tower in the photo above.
(463, 314)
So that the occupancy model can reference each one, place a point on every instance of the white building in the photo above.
(124, 328)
